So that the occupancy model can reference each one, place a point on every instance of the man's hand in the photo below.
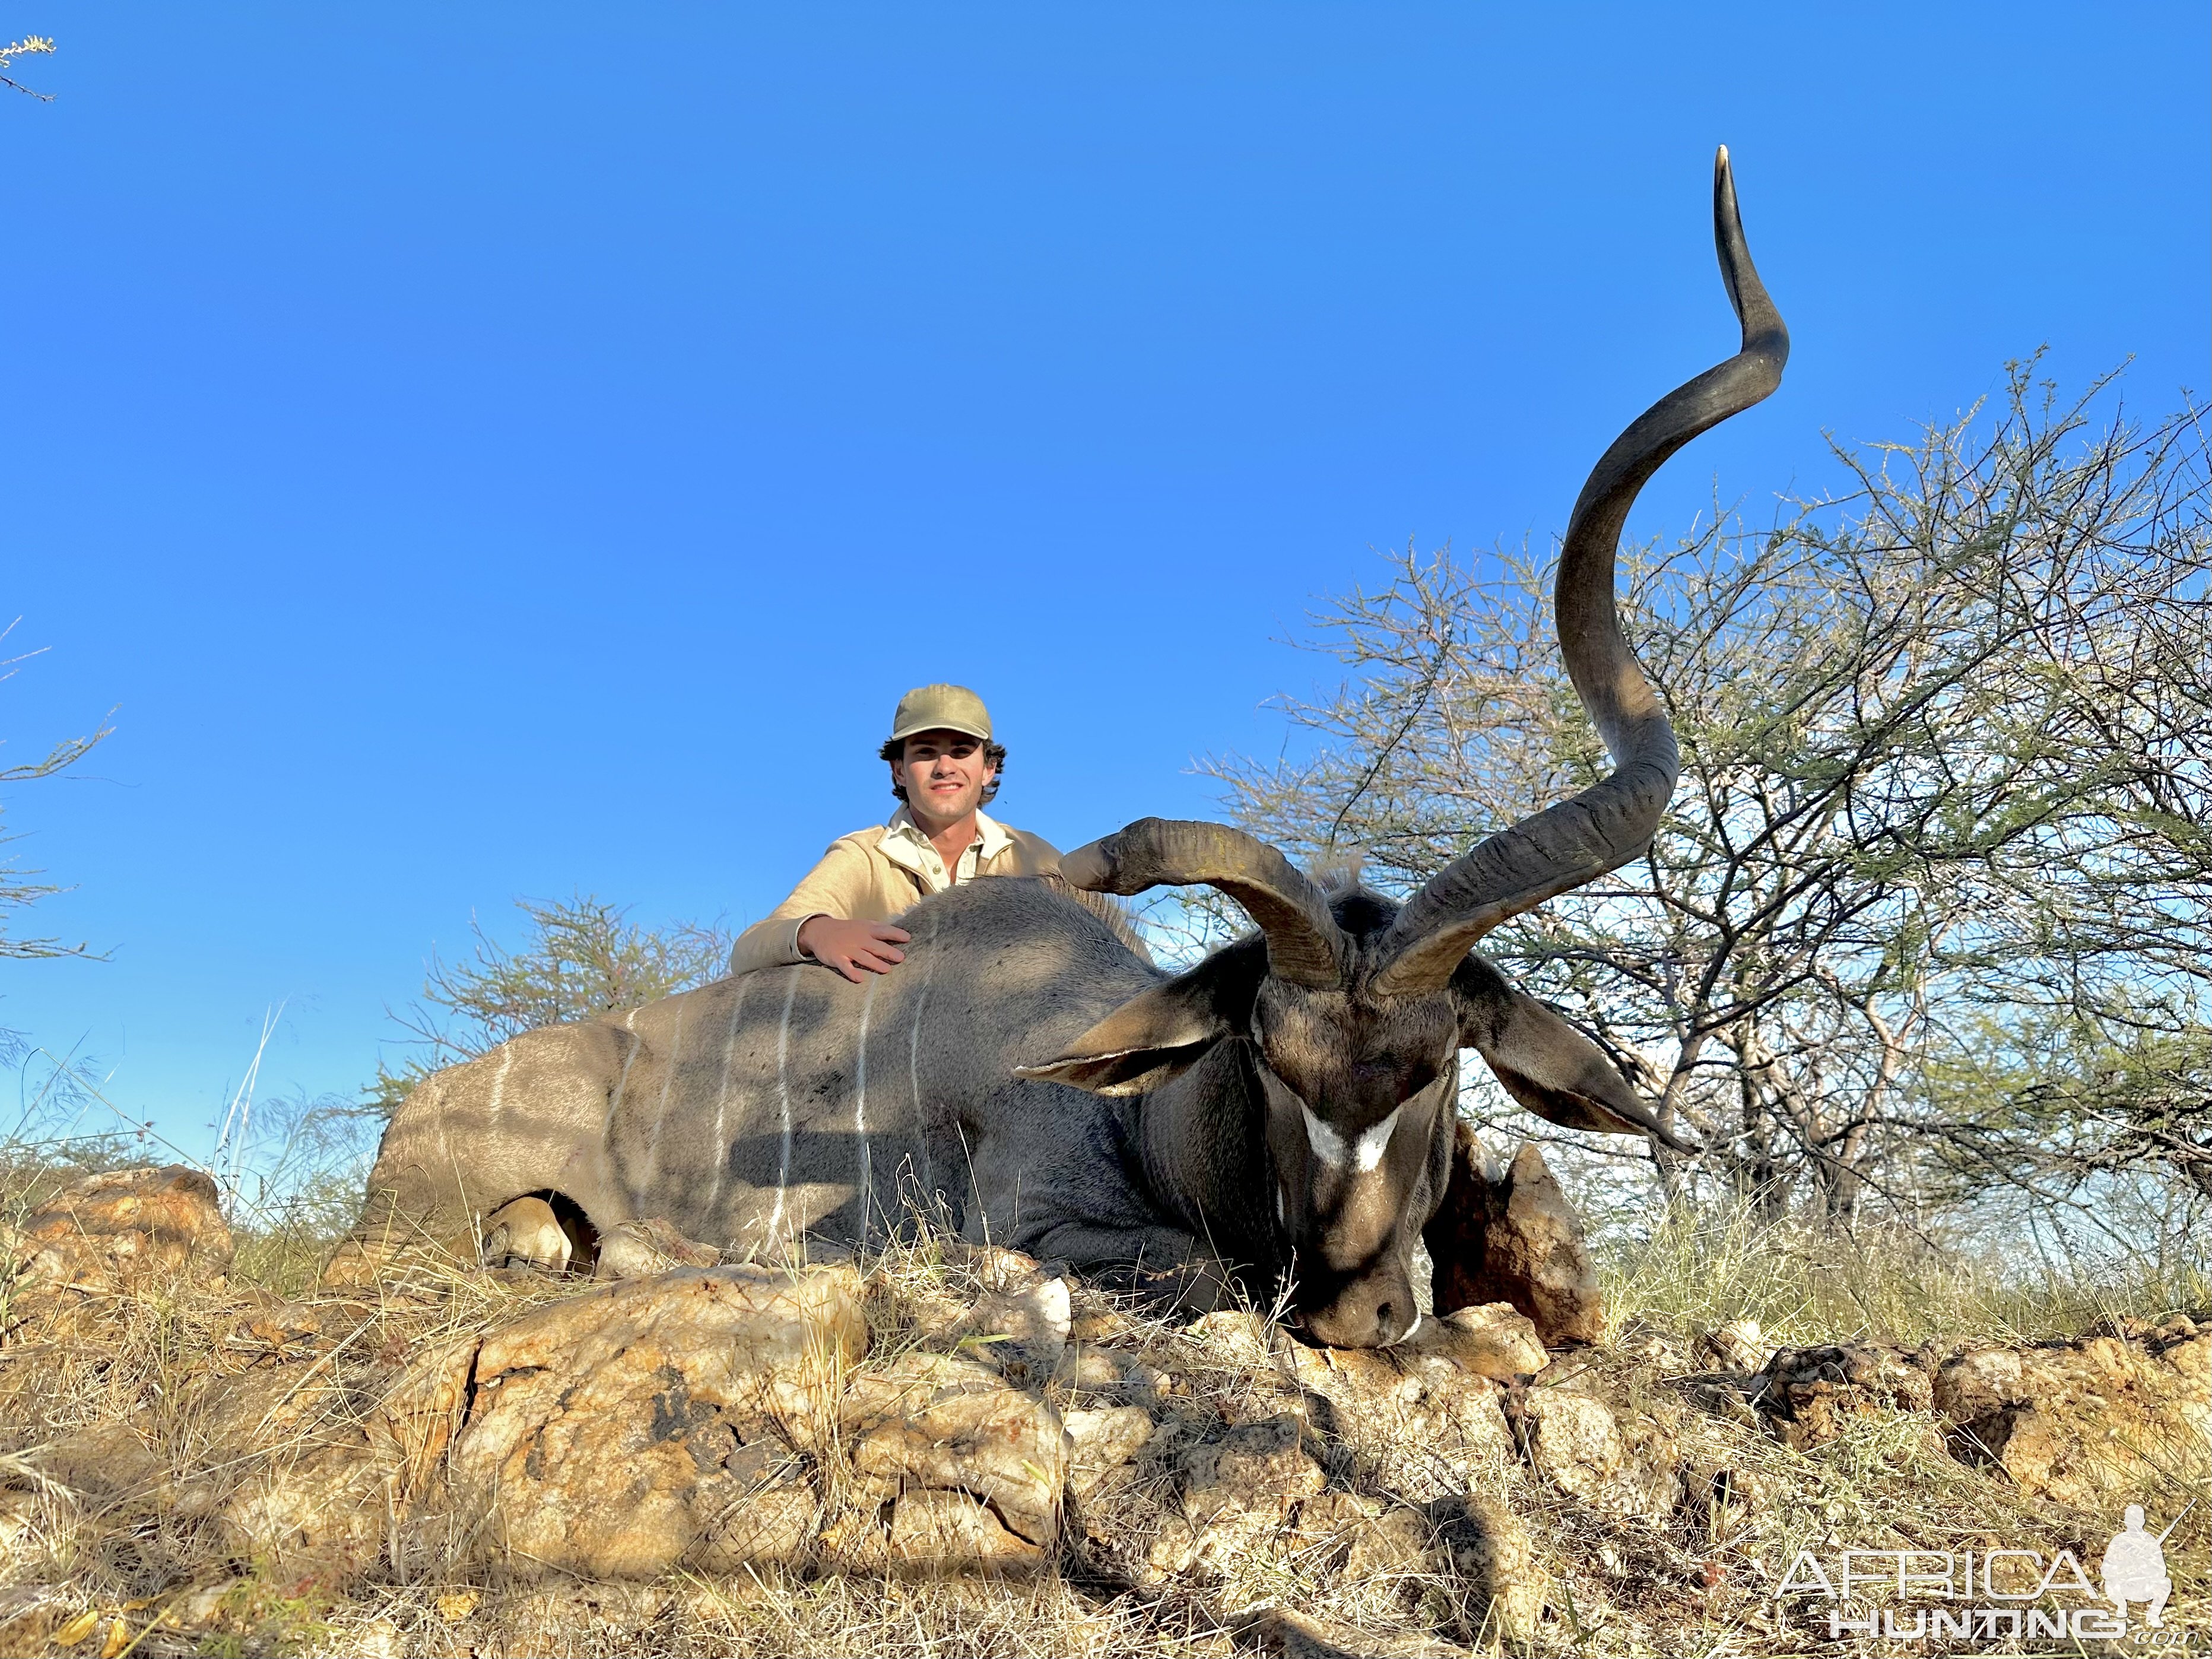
(853, 947)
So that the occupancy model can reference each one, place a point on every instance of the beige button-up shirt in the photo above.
(904, 844)
(879, 874)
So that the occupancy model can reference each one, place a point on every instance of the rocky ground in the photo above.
(942, 1450)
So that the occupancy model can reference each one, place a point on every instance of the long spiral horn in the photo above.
(1304, 944)
(1576, 840)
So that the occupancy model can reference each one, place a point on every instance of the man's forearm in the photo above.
(771, 942)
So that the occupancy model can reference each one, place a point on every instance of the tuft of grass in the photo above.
(1701, 1269)
(142, 1553)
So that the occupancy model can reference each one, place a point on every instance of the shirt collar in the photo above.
(903, 843)
(991, 835)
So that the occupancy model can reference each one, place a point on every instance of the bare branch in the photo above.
(1946, 781)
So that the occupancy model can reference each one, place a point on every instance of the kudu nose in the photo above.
(1371, 1314)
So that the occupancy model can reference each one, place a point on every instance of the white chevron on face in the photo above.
(1359, 1155)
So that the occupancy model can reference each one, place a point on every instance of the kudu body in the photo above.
(1280, 1115)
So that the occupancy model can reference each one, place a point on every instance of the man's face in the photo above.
(944, 774)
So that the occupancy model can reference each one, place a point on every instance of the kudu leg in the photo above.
(1513, 1238)
(1169, 1268)
(526, 1233)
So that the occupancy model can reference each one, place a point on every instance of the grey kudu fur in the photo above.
(1280, 1115)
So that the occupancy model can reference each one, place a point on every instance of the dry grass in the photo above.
(152, 1370)
(1804, 1286)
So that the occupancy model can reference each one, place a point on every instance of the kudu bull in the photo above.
(1282, 1114)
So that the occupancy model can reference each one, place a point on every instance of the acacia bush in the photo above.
(581, 957)
(1932, 911)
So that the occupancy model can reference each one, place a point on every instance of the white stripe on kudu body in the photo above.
(860, 1096)
(722, 1099)
(622, 1078)
(499, 1080)
(783, 1101)
(1358, 1156)
(661, 1113)
(914, 1073)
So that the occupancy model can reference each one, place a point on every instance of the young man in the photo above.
(945, 767)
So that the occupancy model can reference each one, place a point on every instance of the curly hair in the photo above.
(994, 756)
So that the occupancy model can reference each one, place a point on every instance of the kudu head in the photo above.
(1352, 1009)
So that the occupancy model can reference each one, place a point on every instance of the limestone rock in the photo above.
(1333, 1517)
(1390, 1543)
(1517, 1240)
(341, 1494)
(2088, 1422)
(936, 1531)
(1493, 1339)
(1001, 1269)
(1656, 1347)
(1490, 1551)
(1237, 1335)
(1020, 1333)
(1621, 1468)
(1255, 1468)
(421, 1412)
(1104, 1323)
(101, 1460)
(125, 1229)
(938, 1421)
(625, 1430)
(221, 1431)
(1100, 1441)
(1288, 1635)
(1740, 1345)
(1147, 1385)
(638, 1249)
(1813, 1395)
(1238, 1491)
(324, 1514)
(1344, 1540)
(1377, 1401)
(1090, 1371)
(768, 1522)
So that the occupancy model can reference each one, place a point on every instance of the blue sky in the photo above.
(509, 450)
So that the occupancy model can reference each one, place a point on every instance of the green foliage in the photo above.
(1946, 764)
(582, 957)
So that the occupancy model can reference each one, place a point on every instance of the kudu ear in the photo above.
(1152, 1036)
(1544, 1063)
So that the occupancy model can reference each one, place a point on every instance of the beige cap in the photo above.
(941, 709)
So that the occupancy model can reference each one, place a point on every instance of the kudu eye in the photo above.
(1418, 1080)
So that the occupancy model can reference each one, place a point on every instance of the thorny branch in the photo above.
(1933, 906)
